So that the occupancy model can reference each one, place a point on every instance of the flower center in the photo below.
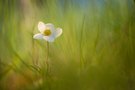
(47, 32)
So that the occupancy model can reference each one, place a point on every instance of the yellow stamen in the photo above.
(47, 32)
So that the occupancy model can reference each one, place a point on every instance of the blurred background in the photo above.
(95, 52)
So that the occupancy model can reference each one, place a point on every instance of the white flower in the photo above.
(47, 32)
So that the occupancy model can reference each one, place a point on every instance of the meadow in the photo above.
(96, 50)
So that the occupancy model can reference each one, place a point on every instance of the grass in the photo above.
(95, 52)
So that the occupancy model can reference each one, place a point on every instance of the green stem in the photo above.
(47, 58)
(82, 62)
(47, 68)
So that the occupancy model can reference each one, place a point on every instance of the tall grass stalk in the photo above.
(82, 62)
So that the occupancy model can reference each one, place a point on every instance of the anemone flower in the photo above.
(47, 32)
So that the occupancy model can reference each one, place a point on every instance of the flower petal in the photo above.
(50, 26)
(49, 38)
(41, 26)
(58, 32)
(38, 36)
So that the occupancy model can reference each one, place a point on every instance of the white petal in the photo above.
(49, 38)
(41, 26)
(50, 26)
(58, 32)
(38, 36)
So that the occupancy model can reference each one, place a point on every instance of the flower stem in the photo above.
(48, 87)
(47, 58)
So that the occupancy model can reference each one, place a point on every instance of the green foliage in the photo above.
(95, 52)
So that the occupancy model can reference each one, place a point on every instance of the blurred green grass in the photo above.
(95, 52)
